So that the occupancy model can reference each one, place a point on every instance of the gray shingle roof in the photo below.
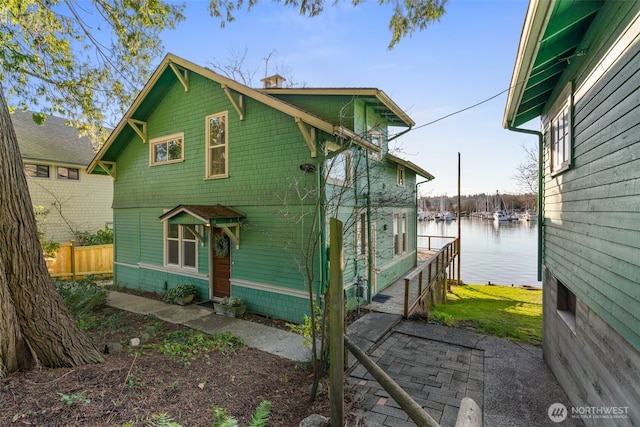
(53, 142)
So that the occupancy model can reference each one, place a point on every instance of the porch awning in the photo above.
(202, 214)
(226, 218)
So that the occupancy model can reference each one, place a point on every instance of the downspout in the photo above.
(540, 189)
(370, 271)
(323, 232)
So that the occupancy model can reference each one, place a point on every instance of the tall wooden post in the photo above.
(336, 324)
(73, 260)
(459, 225)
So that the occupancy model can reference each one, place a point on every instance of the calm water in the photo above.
(504, 253)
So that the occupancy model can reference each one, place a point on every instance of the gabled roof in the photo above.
(172, 69)
(551, 37)
(375, 98)
(412, 166)
(52, 142)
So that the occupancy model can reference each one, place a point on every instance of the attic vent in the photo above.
(274, 81)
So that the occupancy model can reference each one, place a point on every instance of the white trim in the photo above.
(271, 288)
(176, 271)
(180, 239)
(628, 37)
(564, 101)
(166, 138)
(207, 129)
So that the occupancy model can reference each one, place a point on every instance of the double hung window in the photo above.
(361, 234)
(181, 247)
(216, 134)
(400, 242)
(561, 132)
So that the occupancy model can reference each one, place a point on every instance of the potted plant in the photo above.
(181, 294)
(230, 306)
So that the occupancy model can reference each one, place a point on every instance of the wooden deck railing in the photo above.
(429, 281)
(73, 261)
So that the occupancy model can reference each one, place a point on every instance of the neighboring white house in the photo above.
(55, 159)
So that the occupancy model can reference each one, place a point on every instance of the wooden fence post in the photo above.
(73, 260)
(336, 324)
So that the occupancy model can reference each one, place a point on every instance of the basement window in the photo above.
(566, 306)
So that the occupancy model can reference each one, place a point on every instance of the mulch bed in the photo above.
(139, 383)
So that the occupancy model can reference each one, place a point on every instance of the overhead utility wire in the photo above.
(490, 98)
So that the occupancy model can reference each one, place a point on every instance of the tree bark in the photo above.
(36, 328)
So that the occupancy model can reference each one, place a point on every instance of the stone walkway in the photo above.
(437, 376)
(438, 366)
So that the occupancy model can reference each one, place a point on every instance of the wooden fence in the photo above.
(72, 262)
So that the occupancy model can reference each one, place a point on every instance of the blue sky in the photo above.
(465, 58)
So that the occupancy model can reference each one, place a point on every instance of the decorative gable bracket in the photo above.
(181, 74)
(140, 127)
(233, 231)
(309, 135)
(108, 167)
(239, 105)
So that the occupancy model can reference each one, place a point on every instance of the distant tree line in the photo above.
(480, 202)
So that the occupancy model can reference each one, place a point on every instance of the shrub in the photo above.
(81, 296)
(181, 291)
(100, 237)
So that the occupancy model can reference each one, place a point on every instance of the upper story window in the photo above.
(338, 168)
(376, 139)
(68, 173)
(167, 149)
(217, 158)
(181, 247)
(561, 132)
(401, 176)
(36, 171)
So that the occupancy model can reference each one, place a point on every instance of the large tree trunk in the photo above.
(35, 326)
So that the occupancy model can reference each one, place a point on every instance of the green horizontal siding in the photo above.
(592, 211)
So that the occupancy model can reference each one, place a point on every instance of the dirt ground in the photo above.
(132, 386)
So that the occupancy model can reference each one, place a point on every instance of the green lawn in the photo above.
(503, 311)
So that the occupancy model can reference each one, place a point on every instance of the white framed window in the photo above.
(217, 154)
(166, 149)
(338, 168)
(36, 171)
(181, 250)
(361, 235)
(561, 132)
(400, 238)
(400, 176)
(375, 139)
(68, 173)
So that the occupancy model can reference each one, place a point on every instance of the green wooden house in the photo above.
(231, 188)
(577, 70)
